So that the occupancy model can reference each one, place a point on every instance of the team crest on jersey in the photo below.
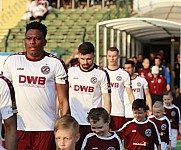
(173, 113)
(148, 132)
(93, 80)
(138, 84)
(149, 74)
(163, 127)
(159, 80)
(45, 69)
(118, 78)
(111, 148)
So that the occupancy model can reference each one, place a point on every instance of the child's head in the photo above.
(155, 70)
(66, 132)
(158, 109)
(139, 109)
(99, 120)
(167, 98)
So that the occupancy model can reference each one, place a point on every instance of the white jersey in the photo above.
(85, 91)
(7, 100)
(35, 89)
(119, 79)
(138, 85)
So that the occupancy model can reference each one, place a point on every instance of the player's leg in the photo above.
(174, 135)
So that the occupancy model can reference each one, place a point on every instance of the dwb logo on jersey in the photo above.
(32, 80)
(83, 88)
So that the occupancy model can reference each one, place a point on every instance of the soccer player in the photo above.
(88, 84)
(140, 133)
(8, 113)
(66, 132)
(163, 125)
(101, 138)
(120, 81)
(38, 78)
(139, 87)
(173, 114)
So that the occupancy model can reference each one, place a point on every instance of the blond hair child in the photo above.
(163, 125)
(66, 132)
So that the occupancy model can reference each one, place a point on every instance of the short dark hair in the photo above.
(113, 49)
(139, 103)
(168, 93)
(158, 57)
(38, 26)
(130, 62)
(96, 113)
(86, 48)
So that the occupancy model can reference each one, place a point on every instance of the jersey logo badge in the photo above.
(138, 84)
(93, 80)
(173, 113)
(118, 78)
(159, 81)
(149, 74)
(111, 148)
(45, 69)
(163, 127)
(148, 132)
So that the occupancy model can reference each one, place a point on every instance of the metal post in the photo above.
(97, 44)
(87, 3)
(124, 47)
(172, 53)
(112, 38)
(105, 47)
(119, 45)
(58, 4)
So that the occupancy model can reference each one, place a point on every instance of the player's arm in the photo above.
(169, 145)
(130, 94)
(11, 138)
(148, 100)
(158, 147)
(62, 95)
(107, 101)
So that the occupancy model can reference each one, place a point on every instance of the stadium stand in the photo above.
(66, 30)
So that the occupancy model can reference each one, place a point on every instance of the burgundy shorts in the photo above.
(116, 122)
(84, 130)
(36, 140)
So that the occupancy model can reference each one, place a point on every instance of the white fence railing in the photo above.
(144, 6)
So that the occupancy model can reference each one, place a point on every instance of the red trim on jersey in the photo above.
(100, 68)
(12, 92)
(113, 69)
(45, 54)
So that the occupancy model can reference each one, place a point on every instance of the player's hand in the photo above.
(168, 87)
(149, 112)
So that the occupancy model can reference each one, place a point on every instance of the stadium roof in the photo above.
(145, 29)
